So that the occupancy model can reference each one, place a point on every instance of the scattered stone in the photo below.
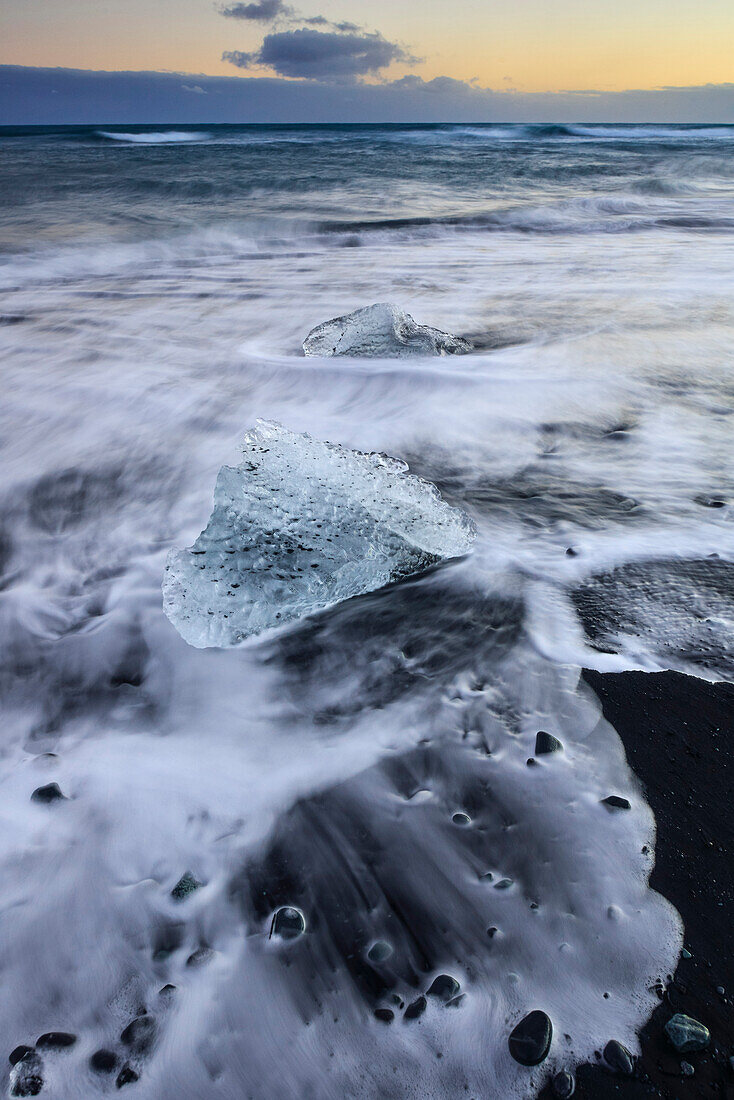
(26, 1078)
(200, 957)
(185, 886)
(504, 884)
(711, 502)
(415, 1009)
(571, 553)
(166, 992)
(444, 987)
(616, 802)
(619, 1058)
(687, 1034)
(386, 1015)
(686, 954)
(531, 762)
(687, 1069)
(380, 331)
(288, 923)
(461, 819)
(379, 952)
(564, 1085)
(103, 1061)
(492, 932)
(139, 1034)
(19, 1053)
(530, 1040)
(546, 742)
(55, 1040)
(126, 1076)
(51, 792)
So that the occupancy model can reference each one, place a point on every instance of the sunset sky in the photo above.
(507, 46)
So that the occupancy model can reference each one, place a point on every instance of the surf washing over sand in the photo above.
(261, 854)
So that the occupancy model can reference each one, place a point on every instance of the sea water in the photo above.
(367, 766)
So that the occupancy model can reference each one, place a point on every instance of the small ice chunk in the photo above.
(381, 331)
(299, 526)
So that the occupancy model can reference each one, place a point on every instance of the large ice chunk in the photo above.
(381, 331)
(298, 526)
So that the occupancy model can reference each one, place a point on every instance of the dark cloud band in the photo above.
(321, 55)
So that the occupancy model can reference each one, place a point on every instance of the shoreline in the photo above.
(675, 731)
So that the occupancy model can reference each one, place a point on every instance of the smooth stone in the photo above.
(288, 923)
(530, 1040)
(103, 1061)
(504, 884)
(619, 1058)
(185, 886)
(28, 1084)
(386, 1015)
(55, 1040)
(616, 802)
(687, 1034)
(461, 819)
(51, 792)
(379, 952)
(415, 1009)
(564, 1085)
(19, 1053)
(546, 742)
(687, 1069)
(139, 1034)
(200, 957)
(444, 987)
(126, 1076)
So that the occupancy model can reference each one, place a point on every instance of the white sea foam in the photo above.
(155, 137)
(349, 741)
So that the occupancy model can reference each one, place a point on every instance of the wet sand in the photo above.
(677, 734)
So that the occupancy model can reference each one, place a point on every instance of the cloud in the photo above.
(261, 11)
(321, 55)
(37, 96)
(193, 88)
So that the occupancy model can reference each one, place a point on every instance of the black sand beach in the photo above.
(676, 732)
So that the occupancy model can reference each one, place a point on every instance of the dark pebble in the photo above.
(619, 1058)
(103, 1061)
(571, 553)
(126, 1076)
(55, 1040)
(200, 957)
(19, 1053)
(139, 1034)
(185, 886)
(564, 1085)
(444, 987)
(530, 1040)
(546, 742)
(28, 1085)
(415, 1009)
(288, 923)
(385, 1014)
(50, 793)
(379, 952)
(461, 819)
(616, 802)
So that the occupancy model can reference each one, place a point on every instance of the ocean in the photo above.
(373, 766)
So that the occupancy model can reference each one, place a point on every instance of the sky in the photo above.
(499, 57)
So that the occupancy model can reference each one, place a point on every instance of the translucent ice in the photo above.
(381, 331)
(299, 526)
